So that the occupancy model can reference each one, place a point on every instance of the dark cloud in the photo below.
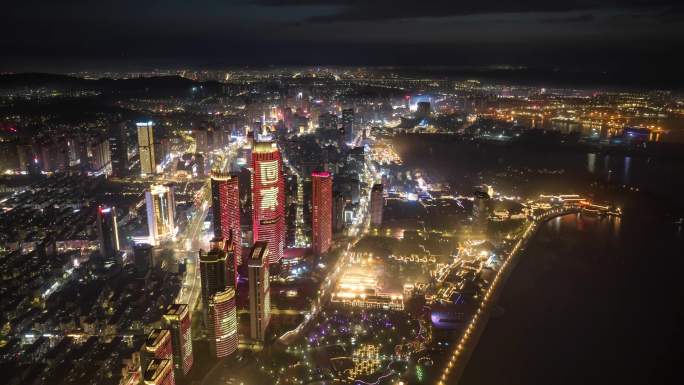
(341, 31)
(582, 18)
(350, 10)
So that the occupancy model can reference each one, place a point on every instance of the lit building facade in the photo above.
(268, 198)
(348, 125)
(358, 287)
(159, 372)
(223, 325)
(215, 273)
(321, 206)
(225, 198)
(148, 165)
(118, 148)
(158, 346)
(99, 157)
(108, 233)
(177, 320)
(259, 291)
(161, 207)
(377, 202)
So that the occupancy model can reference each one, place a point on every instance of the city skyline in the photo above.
(573, 36)
(348, 192)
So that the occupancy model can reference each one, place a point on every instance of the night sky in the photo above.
(597, 34)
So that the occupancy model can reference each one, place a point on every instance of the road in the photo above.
(190, 240)
(356, 231)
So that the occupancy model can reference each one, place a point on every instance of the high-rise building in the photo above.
(377, 202)
(161, 207)
(108, 233)
(77, 149)
(148, 165)
(142, 259)
(339, 204)
(157, 346)
(348, 125)
(54, 155)
(177, 320)
(259, 291)
(231, 264)
(321, 206)
(481, 210)
(225, 198)
(201, 140)
(423, 110)
(223, 325)
(159, 372)
(118, 149)
(162, 151)
(28, 158)
(268, 198)
(216, 272)
(99, 157)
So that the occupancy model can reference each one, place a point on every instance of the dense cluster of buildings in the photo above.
(112, 275)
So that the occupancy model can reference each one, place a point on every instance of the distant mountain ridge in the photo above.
(58, 81)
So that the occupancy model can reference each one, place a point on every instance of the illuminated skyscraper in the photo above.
(259, 291)
(177, 319)
(108, 233)
(99, 157)
(321, 204)
(161, 207)
(223, 335)
(118, 148)
(159, 372)
(268, 198)
(217, 272)
(148, 165)
(348, 125)
(157, 346)
(377, 201)
(225, 198)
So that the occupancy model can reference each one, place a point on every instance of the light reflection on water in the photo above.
(615, 167)
(591, 162)
(607, 226)
(625, 169)
(577, 291)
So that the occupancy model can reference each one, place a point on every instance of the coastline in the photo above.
(466, 344)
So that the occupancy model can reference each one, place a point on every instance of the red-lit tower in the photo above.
(268, 198)
(225, 198)
(158, 346)
(159, 372)
(216, 273)
(223, 323)
(177, 319)
(322, 211)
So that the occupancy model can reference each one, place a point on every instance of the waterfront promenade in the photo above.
(466, 343)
